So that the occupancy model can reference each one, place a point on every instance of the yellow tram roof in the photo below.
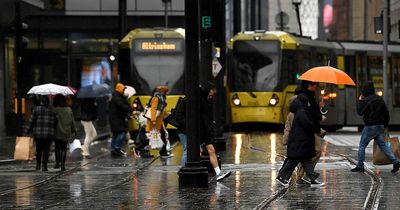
(288, 41)
(126, 42)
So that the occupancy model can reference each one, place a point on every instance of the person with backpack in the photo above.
(156, 113)
(376, 118)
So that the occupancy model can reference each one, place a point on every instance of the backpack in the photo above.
(171, 119)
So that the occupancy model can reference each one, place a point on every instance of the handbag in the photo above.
(147, 113)
(379, 158)
(25, 148)
(155, 140)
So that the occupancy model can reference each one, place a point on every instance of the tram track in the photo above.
(70, 171)
(371, 201)
(124, 180)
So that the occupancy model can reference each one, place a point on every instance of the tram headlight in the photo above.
(380, 93)
(236, 100)
(274, 100)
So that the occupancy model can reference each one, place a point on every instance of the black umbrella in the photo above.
(93, 91)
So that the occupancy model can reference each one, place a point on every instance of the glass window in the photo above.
(256, 65)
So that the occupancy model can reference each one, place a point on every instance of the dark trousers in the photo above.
(290, 164)
(42, 150)
(60, 144)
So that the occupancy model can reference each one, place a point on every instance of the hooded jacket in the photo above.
(372, 107)
(301, 143)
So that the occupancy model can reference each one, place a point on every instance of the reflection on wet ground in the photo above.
(255, 158)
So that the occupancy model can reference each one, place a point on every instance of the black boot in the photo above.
(63, 155)
(57, 154)
(45, 160)
(38, 162)
(38, 159)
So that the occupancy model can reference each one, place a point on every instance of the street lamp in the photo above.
(296, 4)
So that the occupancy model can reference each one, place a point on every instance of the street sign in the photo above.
(206, 22)
(216, 67)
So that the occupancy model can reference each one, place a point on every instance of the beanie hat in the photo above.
(119, 87)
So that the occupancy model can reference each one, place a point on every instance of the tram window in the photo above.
(395, 64)
(255, 66)
(289, 68)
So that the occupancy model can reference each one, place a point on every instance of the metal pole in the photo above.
(298, 18)
(192, 174)
(122, 18)
(237, 17)
(18, 70)
(166, 13)
(385, 50)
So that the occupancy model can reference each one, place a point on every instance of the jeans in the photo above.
(117, 140)
(373, 132)
(183, 140)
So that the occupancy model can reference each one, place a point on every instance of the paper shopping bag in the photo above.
(25, 148)
(379, 158)
(155, 140)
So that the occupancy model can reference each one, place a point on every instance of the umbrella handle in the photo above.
(323, 110)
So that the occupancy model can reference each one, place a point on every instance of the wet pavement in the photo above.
(152, 183)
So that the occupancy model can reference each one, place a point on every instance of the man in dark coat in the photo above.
(120, 111)
(376, 119)
(301, 143)
(207, 124)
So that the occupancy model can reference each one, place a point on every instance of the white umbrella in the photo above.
(129, 91)
(50, 89)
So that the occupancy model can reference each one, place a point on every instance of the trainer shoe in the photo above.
(396, 167)
(317, 183)
(223, 175)
(357, 169)
(301, 182)
(282, 181)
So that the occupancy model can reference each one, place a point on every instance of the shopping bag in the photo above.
(379, 158)
(155, 140)
(75, 148)
(25, 148)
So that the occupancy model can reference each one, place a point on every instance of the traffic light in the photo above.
(22, 40)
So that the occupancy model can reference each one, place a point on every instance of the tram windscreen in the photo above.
(158, 62)
(256, 65)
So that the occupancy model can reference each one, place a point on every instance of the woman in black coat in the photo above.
(301, 143)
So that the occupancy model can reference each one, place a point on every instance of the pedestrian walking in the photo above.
(376, 119)
(42, 124)
(309, 89)
(301, 142)
(120, 113)
(157, 105)
(65, 130)
(180, 118)
(88, 116)
(207, 93)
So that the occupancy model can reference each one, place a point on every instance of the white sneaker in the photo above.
(223, 175)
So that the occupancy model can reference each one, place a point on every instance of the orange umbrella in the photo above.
(327, 74)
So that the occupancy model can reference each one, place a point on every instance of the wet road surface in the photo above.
(152, 183)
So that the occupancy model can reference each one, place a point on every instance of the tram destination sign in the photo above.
(158, 46)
